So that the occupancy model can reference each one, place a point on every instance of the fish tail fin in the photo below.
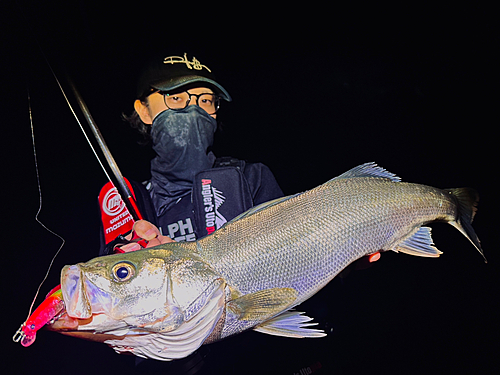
(466, 199)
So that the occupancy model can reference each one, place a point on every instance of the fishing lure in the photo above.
(48, 311)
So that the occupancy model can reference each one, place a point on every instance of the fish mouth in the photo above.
(81, 297)
(81, 328)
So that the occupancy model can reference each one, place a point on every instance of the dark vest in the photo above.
(218, 195)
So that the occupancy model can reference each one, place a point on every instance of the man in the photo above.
(191, 193)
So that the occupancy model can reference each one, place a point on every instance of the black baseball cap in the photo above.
(172, 72)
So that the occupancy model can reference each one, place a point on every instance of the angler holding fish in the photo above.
(164, 302)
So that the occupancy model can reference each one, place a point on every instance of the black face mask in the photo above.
(181, 140)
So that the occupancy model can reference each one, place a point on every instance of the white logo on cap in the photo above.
(195, 64)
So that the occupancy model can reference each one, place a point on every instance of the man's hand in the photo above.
(147, 231)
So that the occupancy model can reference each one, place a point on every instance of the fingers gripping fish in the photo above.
(164, 302)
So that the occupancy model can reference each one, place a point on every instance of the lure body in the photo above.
(47, 311)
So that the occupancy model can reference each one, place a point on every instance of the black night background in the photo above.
(316, 91)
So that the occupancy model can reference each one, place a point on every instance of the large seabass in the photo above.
(166, 301)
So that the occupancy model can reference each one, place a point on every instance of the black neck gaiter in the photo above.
(181, 140)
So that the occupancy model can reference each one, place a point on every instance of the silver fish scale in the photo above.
(307, 240)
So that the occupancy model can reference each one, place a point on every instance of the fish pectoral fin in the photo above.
(262, 305)
(290, 324)
(419, 244)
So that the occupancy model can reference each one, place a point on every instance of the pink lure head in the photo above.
(26, 334)
(27, 340)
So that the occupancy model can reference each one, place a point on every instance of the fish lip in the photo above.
(81, 297)
(74, 296)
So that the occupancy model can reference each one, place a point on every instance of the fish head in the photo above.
(149, 290)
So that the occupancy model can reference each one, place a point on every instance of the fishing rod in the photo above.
(116, 223)
(118, 181)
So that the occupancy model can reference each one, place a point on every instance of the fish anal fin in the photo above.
(262, 305)
(290, 324)
(419, 244)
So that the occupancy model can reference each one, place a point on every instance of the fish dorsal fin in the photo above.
(290, 324)
(369, 170)
(365, 170)
(419, 244)
(262, 305)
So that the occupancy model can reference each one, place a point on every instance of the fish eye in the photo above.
(123, 271)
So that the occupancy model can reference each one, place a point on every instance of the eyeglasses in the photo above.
(209, 102)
